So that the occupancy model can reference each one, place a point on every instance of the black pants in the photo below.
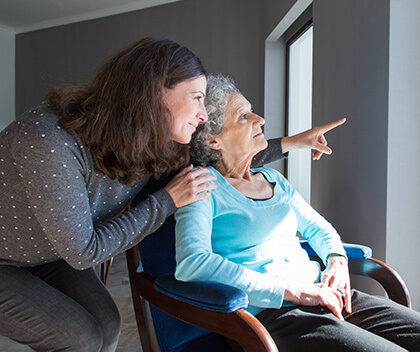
(376, 325)
(54, 307)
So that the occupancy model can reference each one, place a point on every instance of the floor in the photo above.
(119, 287)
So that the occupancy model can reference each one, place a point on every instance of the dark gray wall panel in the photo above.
(224, 33)
(351, 59)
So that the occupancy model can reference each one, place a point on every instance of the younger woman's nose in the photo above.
(202, 114)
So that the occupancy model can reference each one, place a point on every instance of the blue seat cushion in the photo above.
(209, 295)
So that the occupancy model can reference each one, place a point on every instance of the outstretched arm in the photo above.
(313, 139)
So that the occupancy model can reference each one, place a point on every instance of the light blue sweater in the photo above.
(250, 244)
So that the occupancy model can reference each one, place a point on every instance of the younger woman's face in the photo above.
(185, 101)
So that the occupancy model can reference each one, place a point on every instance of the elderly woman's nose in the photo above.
(259, 120)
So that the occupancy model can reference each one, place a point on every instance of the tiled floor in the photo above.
(119, 287)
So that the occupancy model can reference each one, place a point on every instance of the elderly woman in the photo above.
(244, 235)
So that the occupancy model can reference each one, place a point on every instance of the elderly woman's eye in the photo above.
(244, 117)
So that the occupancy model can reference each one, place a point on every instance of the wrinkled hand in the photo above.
(336, 276)
(189, 186)
(316, 295)
(313, 139)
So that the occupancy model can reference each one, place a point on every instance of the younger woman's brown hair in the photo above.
(120, 114)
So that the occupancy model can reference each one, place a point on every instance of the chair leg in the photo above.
(104, 271)
(108, 269)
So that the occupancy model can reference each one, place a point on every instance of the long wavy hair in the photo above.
(120, 114)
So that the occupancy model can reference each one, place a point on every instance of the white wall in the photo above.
(403, 196)
(7, 77)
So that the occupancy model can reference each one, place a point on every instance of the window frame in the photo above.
(294, 32)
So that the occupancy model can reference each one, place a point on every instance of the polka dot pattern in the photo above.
(57, 205)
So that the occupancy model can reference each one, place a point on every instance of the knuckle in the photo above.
(189, 176)
(190, 182)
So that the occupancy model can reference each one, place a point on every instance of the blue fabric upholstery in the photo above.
(357, 251)
(354, 251)
(158, 250)
(176, 336)
(209, 343)
(158, 259)
(209, 295)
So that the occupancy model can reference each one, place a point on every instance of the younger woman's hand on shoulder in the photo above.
(190, 185)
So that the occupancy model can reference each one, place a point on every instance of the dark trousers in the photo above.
(54, 307)
(376, 325)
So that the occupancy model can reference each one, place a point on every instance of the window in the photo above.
(299, 107)
(288, 88)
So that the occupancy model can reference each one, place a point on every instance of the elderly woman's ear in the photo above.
(213, 142)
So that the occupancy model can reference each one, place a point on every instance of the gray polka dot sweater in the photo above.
(56, 205)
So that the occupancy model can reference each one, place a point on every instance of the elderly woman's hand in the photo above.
(189, 186)
(316, 295)
(313, 139)
(337, 277)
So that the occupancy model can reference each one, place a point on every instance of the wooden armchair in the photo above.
(197, 316)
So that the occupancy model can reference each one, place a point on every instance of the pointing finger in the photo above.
(329, 126)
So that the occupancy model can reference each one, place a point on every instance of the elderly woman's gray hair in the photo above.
(219, 90)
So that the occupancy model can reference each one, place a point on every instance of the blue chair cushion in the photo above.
(210, 295)
(353, 251)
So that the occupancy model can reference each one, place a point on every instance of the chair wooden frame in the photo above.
(389, 279)
(238, 325)
(104, 270)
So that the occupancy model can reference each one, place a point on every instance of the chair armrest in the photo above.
(353, 251)
(239, 325)
(209, 295)
(390, 280)
(362, 263)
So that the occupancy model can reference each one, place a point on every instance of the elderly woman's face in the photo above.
(242, 130)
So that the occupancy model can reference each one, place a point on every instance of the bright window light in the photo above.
(300, 110)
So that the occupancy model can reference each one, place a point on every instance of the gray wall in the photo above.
(225, 34)
(366, 68)
(7, 79)
(351, 41)
(351, 51)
